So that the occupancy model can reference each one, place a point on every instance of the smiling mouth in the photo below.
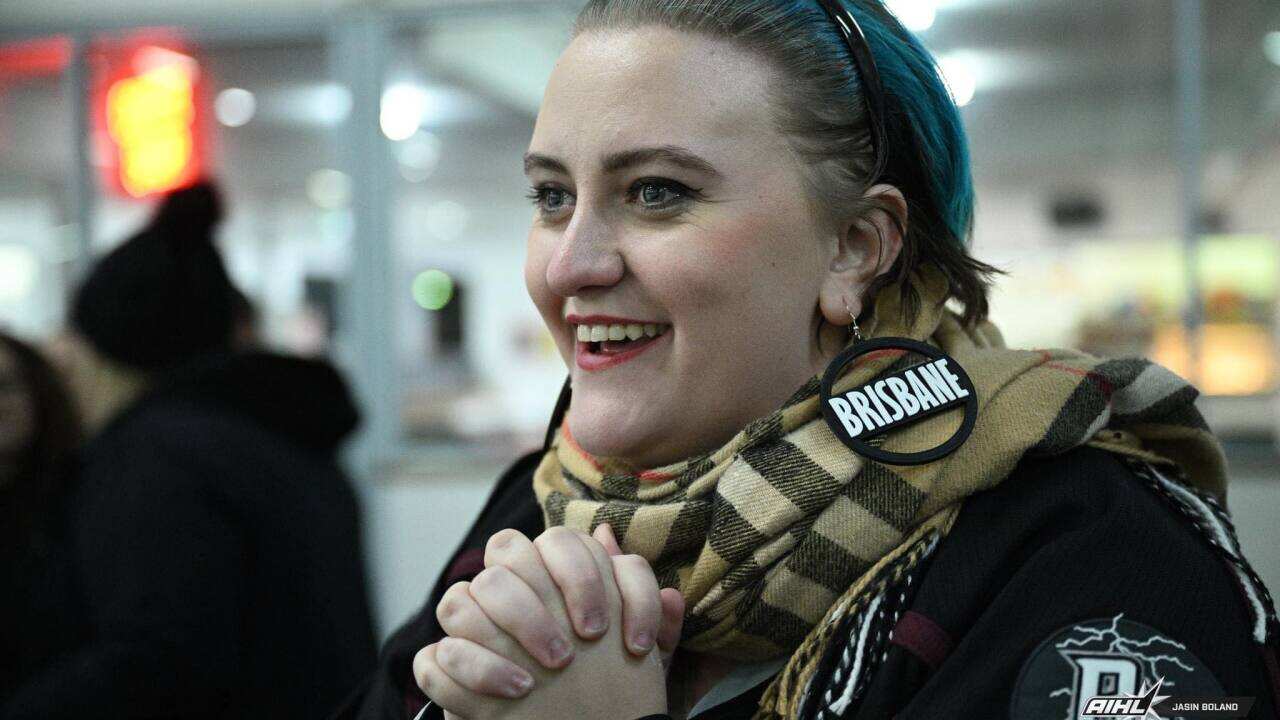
(604, 345)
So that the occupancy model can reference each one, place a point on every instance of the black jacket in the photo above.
(1032, 568)
(41, 615)
(217, 548)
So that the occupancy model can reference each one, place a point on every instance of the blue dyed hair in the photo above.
(818, 105)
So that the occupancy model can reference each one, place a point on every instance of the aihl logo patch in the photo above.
(1107, 668)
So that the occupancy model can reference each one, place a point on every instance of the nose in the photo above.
(587, 256)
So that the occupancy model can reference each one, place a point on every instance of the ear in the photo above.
(868, 246)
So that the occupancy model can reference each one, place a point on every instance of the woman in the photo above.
(38, 432)
(216, 540)
(725, 193)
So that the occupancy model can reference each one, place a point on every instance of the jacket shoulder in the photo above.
(1079, 542)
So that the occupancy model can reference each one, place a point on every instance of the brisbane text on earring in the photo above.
(896, 399)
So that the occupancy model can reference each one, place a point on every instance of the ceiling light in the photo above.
(403, 107)
(1271, 46)
(234, 107)
(915, 15)
(418, 156)
(329, 189)
(961, 79)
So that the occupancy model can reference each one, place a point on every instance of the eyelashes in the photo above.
(539, 195)
(677, 194)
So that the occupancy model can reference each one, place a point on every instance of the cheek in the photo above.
(744, 278)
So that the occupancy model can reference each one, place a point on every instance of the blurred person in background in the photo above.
(217, 541)
(730, 201)
(246, 333)
(39, 614)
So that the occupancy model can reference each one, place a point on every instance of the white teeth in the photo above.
(630, 331)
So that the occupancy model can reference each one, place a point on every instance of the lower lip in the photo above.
(592, 362)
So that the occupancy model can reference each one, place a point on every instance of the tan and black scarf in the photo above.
(775, 536)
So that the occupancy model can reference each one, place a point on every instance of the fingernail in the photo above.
(594, 623)
(519, 685)
(560, 650)
(642, 642)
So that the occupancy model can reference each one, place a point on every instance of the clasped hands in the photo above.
(561, 626)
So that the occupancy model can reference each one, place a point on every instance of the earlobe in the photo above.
(840, 296)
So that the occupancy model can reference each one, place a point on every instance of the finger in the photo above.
(512, 549)
(672, 620)
(516, 609)
(481, 670)
(461, 616)
(604, 566)
(641, 605)
(437, 684)
(577, 574)
(604, 535)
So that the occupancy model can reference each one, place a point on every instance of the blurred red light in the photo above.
(151, 119)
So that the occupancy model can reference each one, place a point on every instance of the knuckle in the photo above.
(503, 540)
(447, 652)
(421, 668)
(554, 533)
(451, 603)
(581, 579)
(490, 578)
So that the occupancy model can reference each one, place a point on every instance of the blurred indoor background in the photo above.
(1126, 152)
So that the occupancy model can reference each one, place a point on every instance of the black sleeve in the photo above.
(383, 695)
(1072, 541)
(161, 567)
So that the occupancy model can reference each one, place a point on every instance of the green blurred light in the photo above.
(1271, 46)
(432, 289)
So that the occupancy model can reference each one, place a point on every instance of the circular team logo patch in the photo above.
(897, 399)
(1111, 668)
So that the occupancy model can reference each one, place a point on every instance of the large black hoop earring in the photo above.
(894, 400)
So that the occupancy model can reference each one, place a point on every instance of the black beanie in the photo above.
(162, 297)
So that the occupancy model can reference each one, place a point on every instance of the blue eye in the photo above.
(655, 194)
(547, 198)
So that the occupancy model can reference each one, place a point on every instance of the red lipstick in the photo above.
(597, 355)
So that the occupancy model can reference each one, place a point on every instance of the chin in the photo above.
(601, 431)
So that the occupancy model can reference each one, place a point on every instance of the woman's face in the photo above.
(673, 214)
(17, 408)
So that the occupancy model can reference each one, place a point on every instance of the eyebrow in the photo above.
(614, 162)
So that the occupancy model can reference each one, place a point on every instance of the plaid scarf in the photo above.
(773, 537)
